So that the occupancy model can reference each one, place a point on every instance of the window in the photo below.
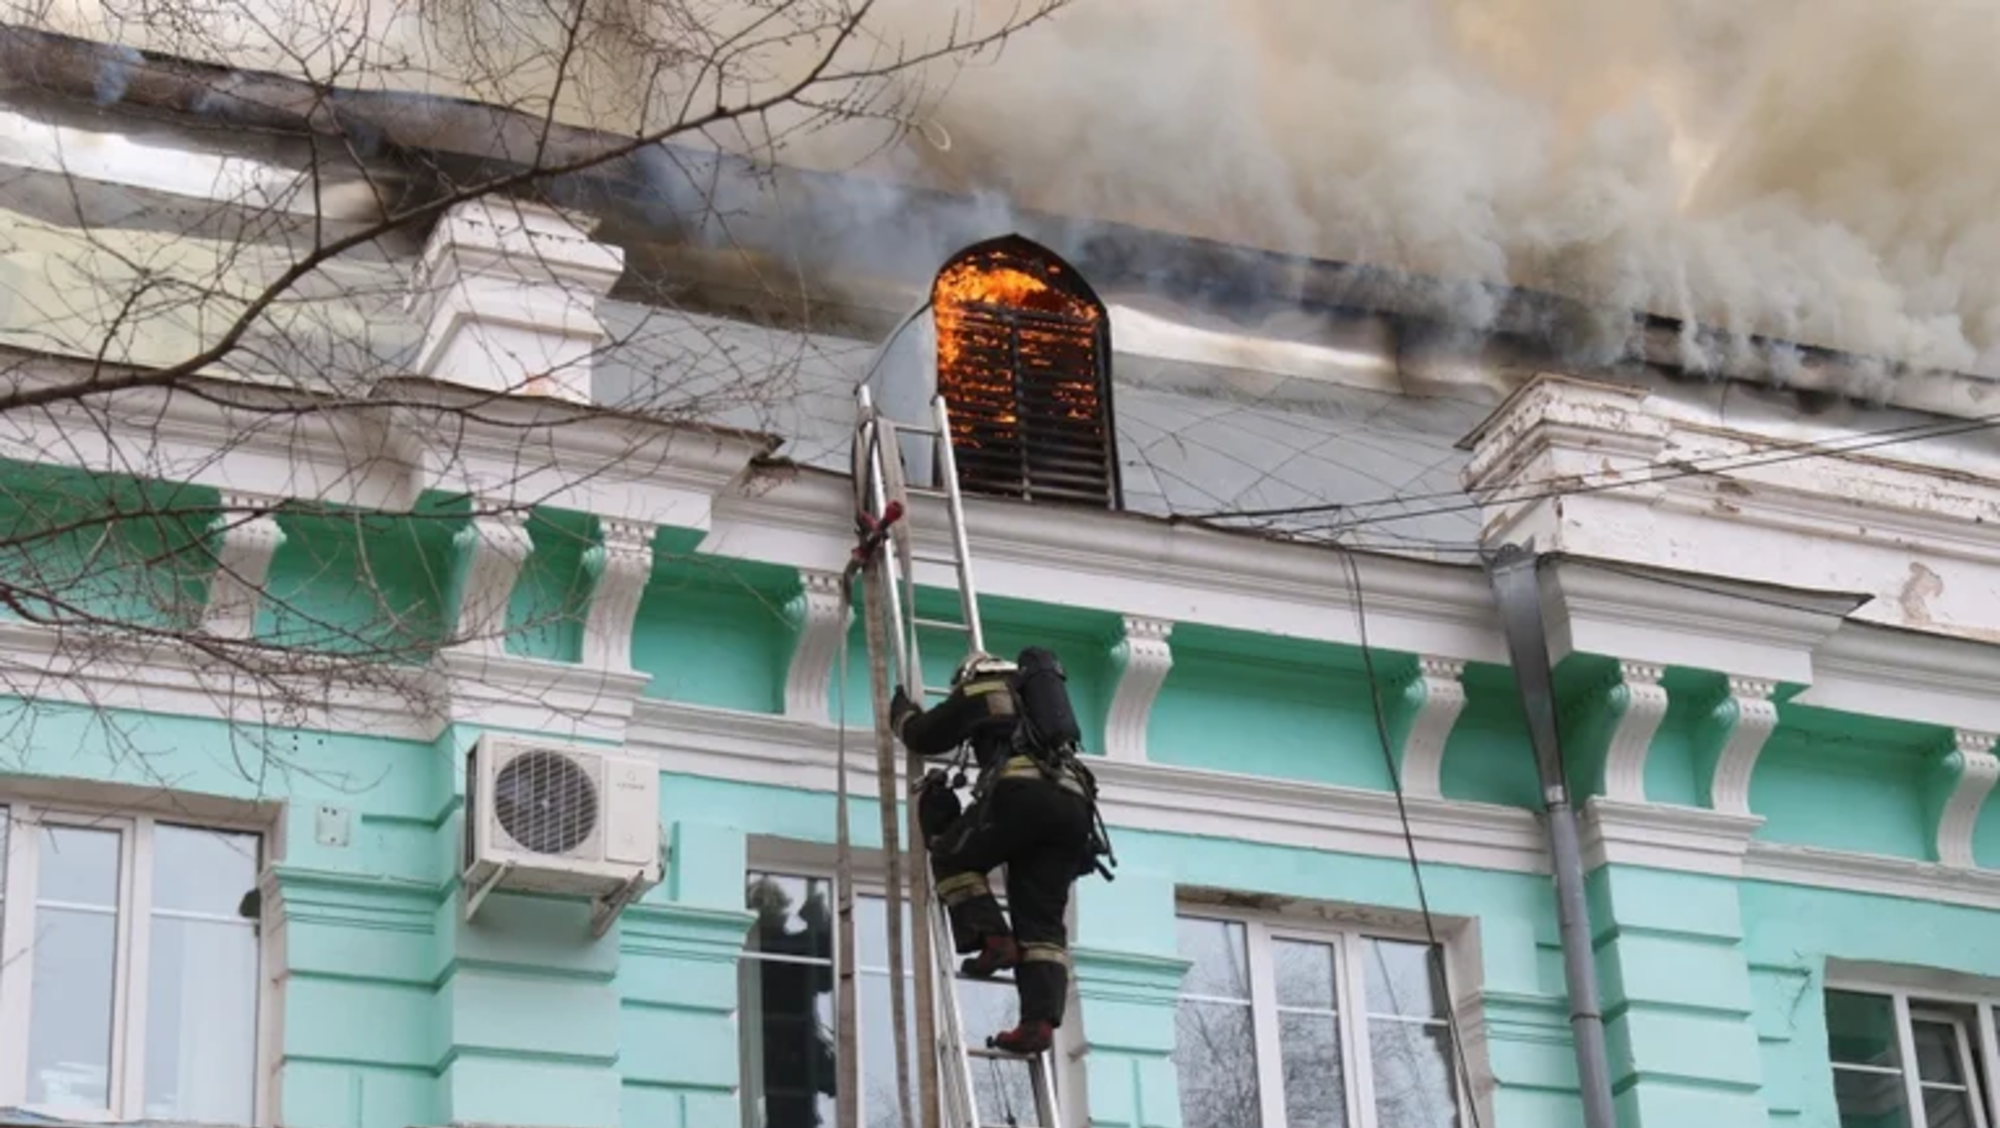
(1023, 363)
(1872, 1039)
(128, 981)
(787, 1026)
(1303, 1028)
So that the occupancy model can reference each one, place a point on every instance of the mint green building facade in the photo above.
(235, 781)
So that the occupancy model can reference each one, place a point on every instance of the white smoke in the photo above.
(1821, 171)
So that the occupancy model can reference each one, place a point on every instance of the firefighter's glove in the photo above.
(901, 709)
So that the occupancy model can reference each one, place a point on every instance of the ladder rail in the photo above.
(884, 484)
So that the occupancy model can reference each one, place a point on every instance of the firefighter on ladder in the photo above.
(1034, 811)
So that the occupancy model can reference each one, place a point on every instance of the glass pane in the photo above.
(3, 852)
(1218, 950)
(1944, 1108)
(1937, 1052)
(202, 871)
(787, 1025)
(1413, 1069)
(201, 1021)
(1403, 979)
(986, 1008)
(1215, 1055)
(1861, 1030)
(1870, 1100)
(69, 1029)
(878, 1055)
(794, 916)
(1005, 1091)
(1304, 974)
(871, 935)
(78, 866)
(1314, 1093)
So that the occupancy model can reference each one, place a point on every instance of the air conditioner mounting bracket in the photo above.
(605, 910)
(476, 895)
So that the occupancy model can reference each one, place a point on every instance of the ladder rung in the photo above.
(992, 1054)
(943, 625)
(933, 558)
(925, 491)
(1005, 980)
(935, 691)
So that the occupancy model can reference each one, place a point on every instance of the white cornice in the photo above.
(1705, 623)
(1966, 774)
(1902, 878)
(1665, 837)
(1730, 738)
(1132, 565)
(819, 619)
(1907, 675)
(782, 752)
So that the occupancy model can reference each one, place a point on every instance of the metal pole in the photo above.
(1512, 570)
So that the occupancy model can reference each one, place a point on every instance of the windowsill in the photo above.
(30, 1116)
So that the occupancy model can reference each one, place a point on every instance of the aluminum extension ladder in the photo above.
(879, 482)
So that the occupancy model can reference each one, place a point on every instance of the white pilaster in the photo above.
(250, 539)
(622, 563)
(819, 626)
(507, 291)
(1748, 717)
(489, 553)
(1969, 770)
(1142, 659)
(1438, 696)
(1632, 739)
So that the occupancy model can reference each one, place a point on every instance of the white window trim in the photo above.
(128, 1064)
(1908, 1003)
(1261, 928)
(794, 858)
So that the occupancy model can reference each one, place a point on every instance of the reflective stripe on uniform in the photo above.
(962, 888)
(1045, 953)
(1024, 767)
(975, 689)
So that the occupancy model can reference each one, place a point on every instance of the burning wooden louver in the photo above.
(1024, 358)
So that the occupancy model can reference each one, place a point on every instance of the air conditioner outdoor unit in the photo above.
(547, 817)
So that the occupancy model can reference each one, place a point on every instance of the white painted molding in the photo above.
(1656, 618)
(1907, 675)
(1143, 656)
(250, 539)
(1441, 698)
(1665, 837)
(490, 551)
(820, 625)
(1748, 717)
(783, 752)
(622, 563)
(507, 291)
(557, 699)
(1131, 565)
(1632, 738)
(1969, 770)
(1902, 878)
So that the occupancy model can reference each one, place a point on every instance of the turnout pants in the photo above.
(1041, 832)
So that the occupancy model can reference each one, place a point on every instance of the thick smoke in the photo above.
(1813, 170)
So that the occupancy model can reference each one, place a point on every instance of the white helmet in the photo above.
(980, 664)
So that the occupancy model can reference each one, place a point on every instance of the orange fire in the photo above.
(998, 325)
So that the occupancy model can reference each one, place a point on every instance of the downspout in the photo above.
(1512, 571)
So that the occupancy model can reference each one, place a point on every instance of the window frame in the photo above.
(19, 855)
(808, 862)
(1347, 939)
(1907, 1007)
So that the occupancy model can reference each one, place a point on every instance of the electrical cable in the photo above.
(1436, 950)
(1869, 441)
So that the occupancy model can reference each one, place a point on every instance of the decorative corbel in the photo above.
(1729, 740)
(619, 564)
(1965, 774)
(819, 628)
(250, 538)
(487, 558)
(1432, 700)
(1620, 718)
(1141, 658)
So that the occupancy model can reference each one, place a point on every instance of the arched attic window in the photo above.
(1024, 365)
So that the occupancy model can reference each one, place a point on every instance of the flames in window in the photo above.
(1023, 364)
